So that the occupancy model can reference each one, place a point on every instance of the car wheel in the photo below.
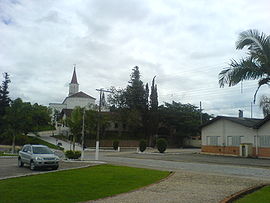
(55, 167)
(20, 163)
(32, 166)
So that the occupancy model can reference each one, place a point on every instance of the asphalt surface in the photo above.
(9, 167)
(200, 158)
(241, 167)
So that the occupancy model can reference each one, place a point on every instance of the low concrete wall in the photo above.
(109, 143)
(262, 151)
(48, 132)
(230, 150)
(192, 143)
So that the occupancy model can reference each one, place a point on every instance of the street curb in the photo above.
(141, 188)
(86, 161)
(6, 157)
(44, 172)
(241, 193)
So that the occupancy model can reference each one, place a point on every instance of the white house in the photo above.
(237, 136)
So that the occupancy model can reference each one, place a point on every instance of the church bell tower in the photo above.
(73, 85)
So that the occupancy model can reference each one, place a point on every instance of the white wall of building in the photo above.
(73, 88)
(57, 106)
(224, 129)
(72, 102)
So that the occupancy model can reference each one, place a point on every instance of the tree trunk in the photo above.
(13, 143)
(73, 143)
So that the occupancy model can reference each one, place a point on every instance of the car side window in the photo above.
(29, 149)
(25, 149)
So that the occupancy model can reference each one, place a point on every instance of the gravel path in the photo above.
(186, 187)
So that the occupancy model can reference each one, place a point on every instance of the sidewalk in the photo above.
(186, 187)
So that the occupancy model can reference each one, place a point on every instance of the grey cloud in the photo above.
(185, 43)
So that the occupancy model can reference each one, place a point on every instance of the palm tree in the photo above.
(265, 105)
(256, 66)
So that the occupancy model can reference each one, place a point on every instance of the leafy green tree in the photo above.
(75, 124)
(265, 105)
(4, 101)
(132, 103)
(40, 117)
(17, 117)
(255, 66)
(136, 96)
(182, 120)
(22, 117)
(91, 119)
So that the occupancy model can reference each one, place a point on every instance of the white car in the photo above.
(38, 156)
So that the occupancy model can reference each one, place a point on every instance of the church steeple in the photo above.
(73, 85)
(74, 76)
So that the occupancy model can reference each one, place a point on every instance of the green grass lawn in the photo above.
(260, 196)
(77, 185)
(2, 154)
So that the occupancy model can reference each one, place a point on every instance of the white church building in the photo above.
(74, 99)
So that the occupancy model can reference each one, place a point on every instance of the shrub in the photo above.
(142, 145)
(69, 154)
(73, 154)
(77, 154)
(161, 145)
(115, 144)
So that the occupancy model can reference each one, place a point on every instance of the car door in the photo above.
(24, 154)
(27, 153)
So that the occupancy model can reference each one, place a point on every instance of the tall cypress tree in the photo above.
(4, 100)
(154, 96)
(153, 113)
(135, 93)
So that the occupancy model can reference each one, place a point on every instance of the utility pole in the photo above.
(201, 111)
(82, 155)
(101, 90)
(251, 110)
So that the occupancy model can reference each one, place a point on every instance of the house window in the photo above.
(213, 140)
(241, 139)
(265, 141)
(235, 140)
(229, 141)
(115, 125)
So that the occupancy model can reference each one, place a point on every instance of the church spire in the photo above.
(74, 76)
(73, 85)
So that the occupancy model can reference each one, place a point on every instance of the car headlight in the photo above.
(39, 158)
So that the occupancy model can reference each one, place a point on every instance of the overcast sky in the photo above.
(184, 43)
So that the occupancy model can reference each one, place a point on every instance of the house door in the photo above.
(243, 148)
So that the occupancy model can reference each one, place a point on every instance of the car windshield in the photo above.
(42, 150)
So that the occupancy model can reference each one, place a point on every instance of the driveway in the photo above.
(9, 167)
(52, 140)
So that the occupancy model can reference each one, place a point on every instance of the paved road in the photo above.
(212, 168)
(190, 156)
(9, 167)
